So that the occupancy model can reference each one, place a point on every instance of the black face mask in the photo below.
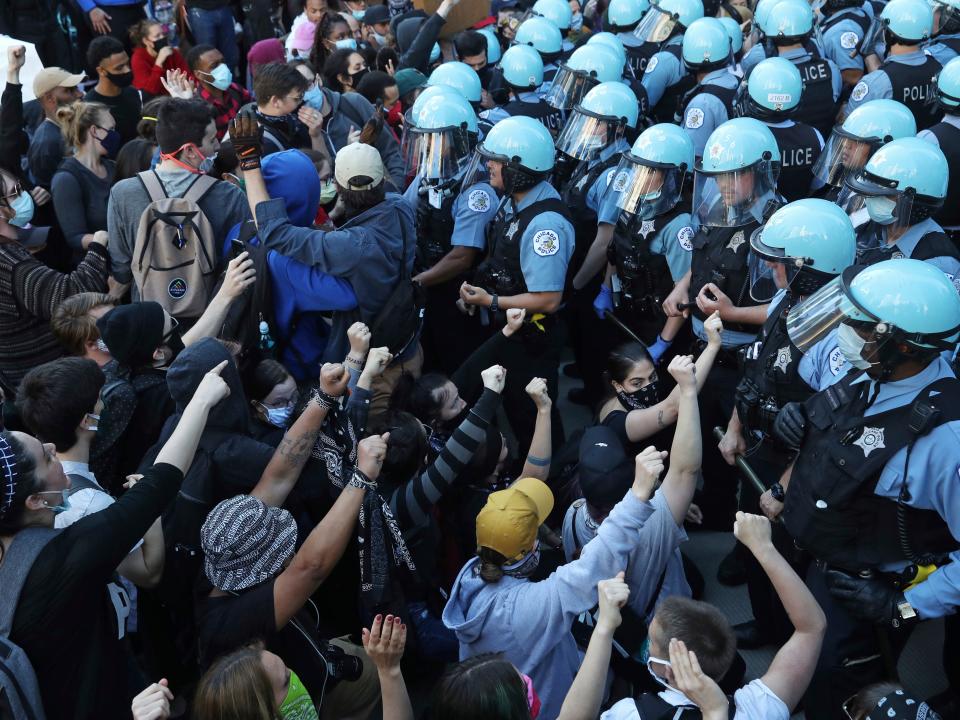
(160, 44)
(356, 77)
(647, 396)
(121, 80)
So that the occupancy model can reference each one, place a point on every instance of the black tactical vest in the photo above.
(664, 111)
(645, 278)
(817, 106)
(575, 191)
(724, 95)
(799, 151)
(832, 509)
(434, 230)
(501, 272)
(949, 138)
(931, 245)
(720, 257)
(638, 56)
(913, 86)
(541, 111)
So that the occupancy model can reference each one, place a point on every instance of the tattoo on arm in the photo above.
(296, 450)
(660, 422)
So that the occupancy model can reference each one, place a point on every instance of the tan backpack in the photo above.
(174, 256)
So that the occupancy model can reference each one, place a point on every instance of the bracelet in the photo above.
(323, 399)
(353, 361)
(361, 481)
(494, 303)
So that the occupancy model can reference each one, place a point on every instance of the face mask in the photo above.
(221, 77)
(328, 191)
(880, 209)
(121, 80)
(111, 142)
(356, 77)
(358, 14)
(64, 501)
(102, 346)
(206, 165)
(851, 346)
(533, 700)
(526, 566)
(160, 44)
(346, 43)
(435, 53)
(278, 417)
(313, 98)
(395, 114)
(297, 705)
(652, 195)
(647, 396)
(576, 22)
(23, 210)
(381, 39)
(96, 422)
(650, 660)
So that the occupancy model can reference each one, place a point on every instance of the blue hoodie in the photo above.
(529, 622)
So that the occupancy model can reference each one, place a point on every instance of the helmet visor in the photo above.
(844, 153)
(586, 134)
(644, 189)
(568, 88)
(656, 25)
(476, 170)
(771, 269)
(733, 198)
(813, 319)
(438, 155)
(946, 18)
(867, 193)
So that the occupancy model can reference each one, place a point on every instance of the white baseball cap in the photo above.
(358, 167)
(54, 77)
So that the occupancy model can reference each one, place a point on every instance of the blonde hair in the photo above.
(77, 118)
(236, 687)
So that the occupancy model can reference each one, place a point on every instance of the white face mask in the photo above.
(880, 209)
(851, 346)
(95, 424)
(656, 677)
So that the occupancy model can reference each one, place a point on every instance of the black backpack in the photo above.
(399, 322)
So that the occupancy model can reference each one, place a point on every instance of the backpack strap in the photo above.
(199, 188)
(82, 482)
(153, 186)
(17, 561)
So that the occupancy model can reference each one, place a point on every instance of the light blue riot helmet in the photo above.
(864, 130)
(522, 67)
(761, 11)
(599, 120)
(886, 314)
(623, 15)
(430, 92)
(667, 18)
(811, 240)
(736, 35)
(736, 179)
(589, 65)
(494, 53)
(903, 183)
(461, 77)
(649, 179)
(907, 21)
(706, 45)
(789, 21)
(946, 17)
(556, 11)
(611, 41)
(439, 146)
(948, 87)
(542, 35)
(772, 92)
(525, 148)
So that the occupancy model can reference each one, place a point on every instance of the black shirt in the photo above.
(124, 107)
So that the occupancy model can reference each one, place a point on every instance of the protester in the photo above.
(216, 85)
(113, 89)
(153, 57)
(74, 323)
(53, 88)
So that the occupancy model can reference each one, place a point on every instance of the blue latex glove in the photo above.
(658, 349)
(603, 303)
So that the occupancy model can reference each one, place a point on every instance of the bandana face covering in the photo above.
(297, 705)
(647, 396)
(525, 566)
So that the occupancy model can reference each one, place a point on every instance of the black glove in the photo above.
(865, 598)
(245, 134)
(790, 425)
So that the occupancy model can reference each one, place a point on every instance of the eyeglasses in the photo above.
(846, 706)
(296, 98)
(17, 192)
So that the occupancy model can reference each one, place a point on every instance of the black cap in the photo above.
(376, 14)
(132, 332)
(606, 472)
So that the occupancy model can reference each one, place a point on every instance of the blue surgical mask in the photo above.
(851, 346)
(381, 39)
(279, 417)
(346, 44)
(206, 165)
(328, 191)
(576, 22)
(435, 53)
(222, 77)
(23, 210)
(358, 14)
(880, 209)
(64, 501)
(313, 98)
(652, 195)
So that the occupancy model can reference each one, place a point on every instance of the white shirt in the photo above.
(754, 701)
(86, 501)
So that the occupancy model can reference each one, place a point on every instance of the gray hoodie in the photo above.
(529, 622)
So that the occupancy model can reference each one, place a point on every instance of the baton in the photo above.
(743, 466)
(613, 318)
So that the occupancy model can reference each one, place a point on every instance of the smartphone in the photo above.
(236, 248)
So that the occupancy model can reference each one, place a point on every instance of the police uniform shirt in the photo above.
(663, 71)
(940, 50)
(797, 56)
(842, 38)
(546, 246)
(706, 112)
(906, 243)
(754, 701)
(877, 85)
(596, 192)
(472, 210)
(674, 242)
(931, 481)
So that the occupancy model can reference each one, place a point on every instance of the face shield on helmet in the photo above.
(437, 155)
(844, 154)
(813, 319)
(884, 204)
(771, 269)
(569, 86)
(645, 189)
(656, 25)
(734, 197)
(946, 18)
(586, 134)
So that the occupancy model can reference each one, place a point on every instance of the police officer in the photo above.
(946, 136)
(789, 30)
(587, 67)
(709, 104)
(652, 234)
(546, 38)
(772, 95)
(945, 44)
(736, 43)
(462, 78)
(803, 246)
(666, 78)
(559, 13)
(901, 186)
(873, 493)
(734, 193)
(522, 71)
(862, 133)
(843, 30)
(451, 219)
(908, 72)
(622, 18)
(594, 138)
(529, 242)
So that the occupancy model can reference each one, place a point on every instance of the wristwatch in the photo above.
(904, 612)
(494, 303)
(776, 490)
